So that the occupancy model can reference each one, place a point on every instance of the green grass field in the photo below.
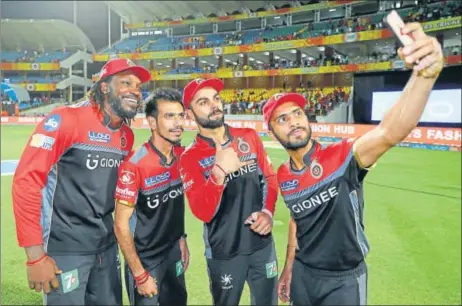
(412, 218)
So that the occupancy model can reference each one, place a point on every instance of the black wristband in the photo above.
(184, 236)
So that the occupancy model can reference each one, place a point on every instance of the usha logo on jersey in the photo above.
(42, 142)
(154, 180)
(97, 162)
(99, 137)
(289, 185)
(315, 200)
(172, 194)
(206, 162)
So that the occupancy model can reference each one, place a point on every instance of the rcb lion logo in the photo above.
(243, 146)
(316, 169)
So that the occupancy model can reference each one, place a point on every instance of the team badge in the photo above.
(243, 146)
(316, 169)
(123, 140)
(127, 177)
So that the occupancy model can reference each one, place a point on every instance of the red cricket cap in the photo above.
(197, 84)
(118, 65)
(279, 99)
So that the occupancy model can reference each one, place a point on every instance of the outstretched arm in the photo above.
(404, 116)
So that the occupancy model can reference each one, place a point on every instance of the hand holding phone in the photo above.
(396, 24)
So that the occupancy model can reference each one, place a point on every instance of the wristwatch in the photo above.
(184, 236)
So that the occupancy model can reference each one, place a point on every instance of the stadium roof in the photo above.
(29, 34)
(141, 11)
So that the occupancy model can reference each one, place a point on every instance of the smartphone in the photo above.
(396, 24)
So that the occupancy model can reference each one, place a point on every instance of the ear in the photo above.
(272, 136)
(152, 122)
(104, 87)
(190, 115)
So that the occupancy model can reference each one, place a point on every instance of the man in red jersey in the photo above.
(231, 187)
(323, 185)
(149, 215)
(63, 191)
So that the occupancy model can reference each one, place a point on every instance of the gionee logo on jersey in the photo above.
(172, 194)
(207, 161)
(242, 171)
(99, 137)
(289, 185)
(97, 162)
(154, 180)
(315, 200)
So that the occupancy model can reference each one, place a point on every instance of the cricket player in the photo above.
(231, 186)
(322, 186)
(149, 215)
(63, 191)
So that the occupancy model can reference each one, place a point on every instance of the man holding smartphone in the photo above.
(323, 186)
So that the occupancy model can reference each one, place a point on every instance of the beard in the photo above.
(166, 138)
(116, 105)
(294, 145)
(208, 123)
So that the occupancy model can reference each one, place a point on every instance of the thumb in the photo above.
(55, 266)
(217, 145)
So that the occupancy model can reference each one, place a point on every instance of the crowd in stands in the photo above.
(34, 56)
(45, 78)
(419, 13)
(251, 101)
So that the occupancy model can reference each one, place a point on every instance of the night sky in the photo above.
(92, 16)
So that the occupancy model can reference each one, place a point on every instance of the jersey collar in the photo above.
(106, 121)
(210, 140)
(307, 158)
(163, 158)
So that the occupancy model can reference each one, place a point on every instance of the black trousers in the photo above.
(171, 285)
(260, 270)
(315, 287)
(88, 279)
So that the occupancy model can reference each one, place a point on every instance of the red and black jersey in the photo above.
(225, 208)
(63, 188)
(325, 200)
(155, 188)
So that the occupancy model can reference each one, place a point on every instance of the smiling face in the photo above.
(207, 108)
(290, 126)
(168, 122)
(123, 94)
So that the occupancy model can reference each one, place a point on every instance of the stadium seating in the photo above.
(329, 27)
(33, 56)
(35, 79)
(250, 101)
